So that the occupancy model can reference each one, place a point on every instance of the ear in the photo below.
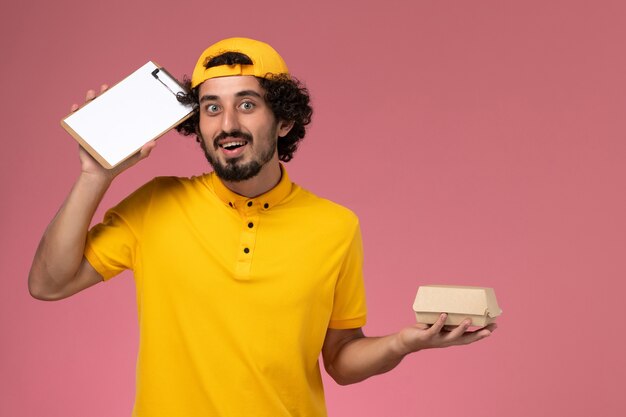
(284, 127)
(199, 137)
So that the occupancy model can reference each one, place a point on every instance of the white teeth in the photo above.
(232, 144)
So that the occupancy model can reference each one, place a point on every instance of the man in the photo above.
(242, 277)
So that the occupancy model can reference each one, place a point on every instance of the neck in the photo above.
(266, 179)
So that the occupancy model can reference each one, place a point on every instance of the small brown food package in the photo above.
(459, 302)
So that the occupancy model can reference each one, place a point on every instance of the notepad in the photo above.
(140, 108)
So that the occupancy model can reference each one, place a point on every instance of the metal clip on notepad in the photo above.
(154, 74)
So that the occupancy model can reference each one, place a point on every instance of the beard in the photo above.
(234, 170)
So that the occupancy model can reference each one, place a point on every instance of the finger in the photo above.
(91, 94)
(103, 88)
(144, 152)
(471, 337)
(477, 335)
(491, 327)
(482, 333)
(460, 329)
(147, 148)
(438, 325)
(487, 330)
(74, 107)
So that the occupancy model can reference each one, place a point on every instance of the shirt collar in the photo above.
(263, 202)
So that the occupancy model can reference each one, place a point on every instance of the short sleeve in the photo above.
(111, 245)
(349, 307)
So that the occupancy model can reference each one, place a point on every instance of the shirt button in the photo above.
(230, 204)
(246, 250)
(250, 225)
(266, 205)
(249, 203)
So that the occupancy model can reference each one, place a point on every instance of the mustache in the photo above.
(234, 134)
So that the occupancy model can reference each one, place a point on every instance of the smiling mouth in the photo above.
(231, 146)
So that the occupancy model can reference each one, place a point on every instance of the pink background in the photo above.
(480, 142)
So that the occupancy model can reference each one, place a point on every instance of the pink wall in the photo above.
(480, 142)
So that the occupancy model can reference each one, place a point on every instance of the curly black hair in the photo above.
(287, 97)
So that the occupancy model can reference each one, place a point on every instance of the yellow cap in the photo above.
(265, 61)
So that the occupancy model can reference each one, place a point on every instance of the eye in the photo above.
(212, 108)
(247, 106)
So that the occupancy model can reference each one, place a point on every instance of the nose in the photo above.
(230, 120)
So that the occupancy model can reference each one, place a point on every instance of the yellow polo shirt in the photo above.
(234, 295)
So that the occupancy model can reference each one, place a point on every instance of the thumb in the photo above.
(147, 149)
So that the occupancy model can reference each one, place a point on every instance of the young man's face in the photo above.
(239, 131)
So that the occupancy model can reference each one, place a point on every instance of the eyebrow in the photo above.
(208, 98)
(244, 93)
